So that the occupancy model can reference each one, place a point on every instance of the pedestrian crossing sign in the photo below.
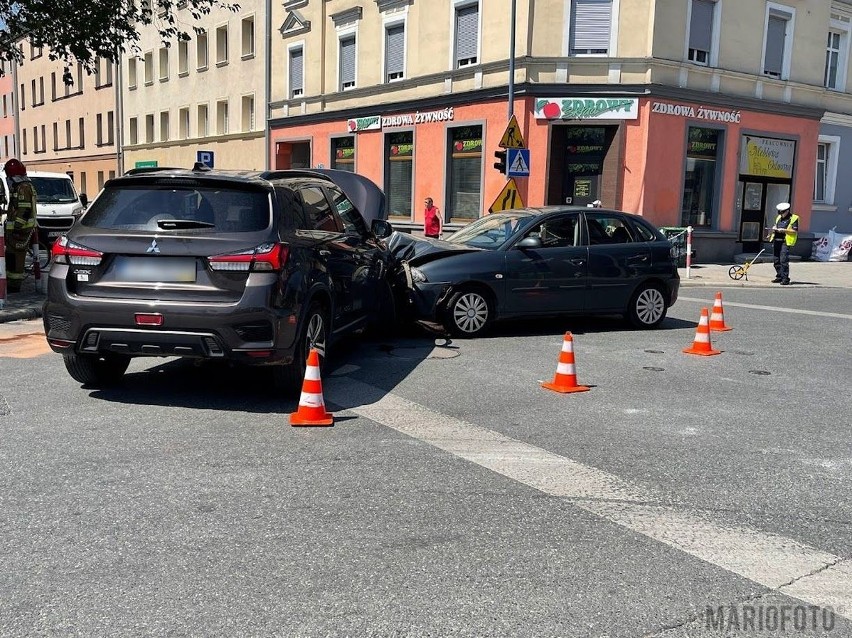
(512, 137)
(518, 162)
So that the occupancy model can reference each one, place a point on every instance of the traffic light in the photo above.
(500, 164)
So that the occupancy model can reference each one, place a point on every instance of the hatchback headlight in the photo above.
(417, 276)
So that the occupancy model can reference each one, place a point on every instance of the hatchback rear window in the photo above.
(159, 208)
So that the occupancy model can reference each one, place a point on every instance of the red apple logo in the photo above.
(459, 146)
(394, 150)
(551, 110)
(352, 126)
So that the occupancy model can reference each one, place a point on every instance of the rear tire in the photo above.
(648, 307)
(469, 313)
(96, 370)
(287, 379)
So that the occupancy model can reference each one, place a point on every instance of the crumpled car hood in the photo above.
(420, 250)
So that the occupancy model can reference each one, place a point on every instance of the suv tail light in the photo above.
(66, 251)
(266, 257)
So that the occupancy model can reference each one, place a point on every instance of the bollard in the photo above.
(688, 249)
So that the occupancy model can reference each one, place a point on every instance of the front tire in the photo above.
(469, 313)
(648, 307)
(314, 334)
(96, 370)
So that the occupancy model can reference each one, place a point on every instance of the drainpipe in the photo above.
(267, 72)
(119, 115)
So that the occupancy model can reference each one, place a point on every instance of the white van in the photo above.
(57, 204)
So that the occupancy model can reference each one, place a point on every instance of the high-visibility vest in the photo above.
(790, 238)
(21, 217)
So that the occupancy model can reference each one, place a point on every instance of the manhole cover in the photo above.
(654, 351)
(653, 369)
(761, 373)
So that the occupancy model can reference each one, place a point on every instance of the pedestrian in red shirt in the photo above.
(433, 226)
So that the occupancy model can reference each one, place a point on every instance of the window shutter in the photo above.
(775, 34)
(347, 61)
(395, 49)
(296, 70)
(591, 25)
(701, 25)
(467, 32)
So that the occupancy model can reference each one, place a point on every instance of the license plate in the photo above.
(156, 269)
(54, 233)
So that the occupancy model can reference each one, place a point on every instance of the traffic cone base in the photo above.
(311, 410)
(701, 345)
(565, 379)
(717, 318)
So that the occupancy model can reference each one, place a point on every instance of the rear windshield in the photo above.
(53, 190)
(142, 207)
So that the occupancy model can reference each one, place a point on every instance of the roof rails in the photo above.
(150, 169)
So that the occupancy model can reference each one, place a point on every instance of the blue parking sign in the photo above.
(204, 157)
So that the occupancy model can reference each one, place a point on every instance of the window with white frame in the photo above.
(701, 27)
(248, 37)
(778, 41)
(591, 24)
(348, 54)
(201, 51)
(836, 53)
(183, 57)
(203, 120)
(149, 68)
(296, 72)
(466, 35)
(826, 169)
(222, 117)
(247, 113)
(183, 123)
(222, 44)
(164, 64)
(395, 52)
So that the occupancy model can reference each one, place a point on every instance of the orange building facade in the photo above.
(719, 166)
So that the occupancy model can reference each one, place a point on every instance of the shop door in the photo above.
(582, 189)
(585, 149)
(759, 199)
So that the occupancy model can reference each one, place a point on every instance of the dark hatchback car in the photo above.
(253, 268)
(538, 262)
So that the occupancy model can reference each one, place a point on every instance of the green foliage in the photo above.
(83, 31)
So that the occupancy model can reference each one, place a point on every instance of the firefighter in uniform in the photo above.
(784, 235)
(20, 222)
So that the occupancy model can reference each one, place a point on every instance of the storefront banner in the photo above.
(767, 157)
(378, 122)
(576, 108)
(700, 113)
(358, 124)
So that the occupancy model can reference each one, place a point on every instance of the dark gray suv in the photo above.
(254, 268)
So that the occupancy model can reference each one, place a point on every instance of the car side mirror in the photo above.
(529, 242)
(84, 199)
(381, 228)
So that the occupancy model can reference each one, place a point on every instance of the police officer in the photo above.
(784, 235)
(20, 222)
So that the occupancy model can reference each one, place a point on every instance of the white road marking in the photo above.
(777, 562)
(795, 311)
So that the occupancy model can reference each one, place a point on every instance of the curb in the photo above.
(688, 283)
(26, 311)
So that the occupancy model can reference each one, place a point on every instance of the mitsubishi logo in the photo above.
(153, 248)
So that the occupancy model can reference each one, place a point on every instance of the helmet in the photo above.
(15, 167)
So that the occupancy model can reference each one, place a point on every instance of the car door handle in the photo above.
(324, 253)
(578, 262)
(638, 258)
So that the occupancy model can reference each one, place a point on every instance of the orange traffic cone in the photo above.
(717, 318)
(311, 405)
(702, 345)
(565, 379)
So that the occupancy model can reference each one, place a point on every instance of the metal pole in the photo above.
(512, 63)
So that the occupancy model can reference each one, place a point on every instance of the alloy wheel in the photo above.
(650, 306)
(470, 312)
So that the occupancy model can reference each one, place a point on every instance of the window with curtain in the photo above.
(296, 73)
(591, 21)
(832, 60)
(776, 44)
(464, 190)
(347, 63)
(701, 31)
(821, 173)
(395, 53)
(399, 172)
(467, 35)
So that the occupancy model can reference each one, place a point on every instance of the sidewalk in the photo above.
(804, 274)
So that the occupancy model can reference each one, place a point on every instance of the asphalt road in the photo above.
(453, 496)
